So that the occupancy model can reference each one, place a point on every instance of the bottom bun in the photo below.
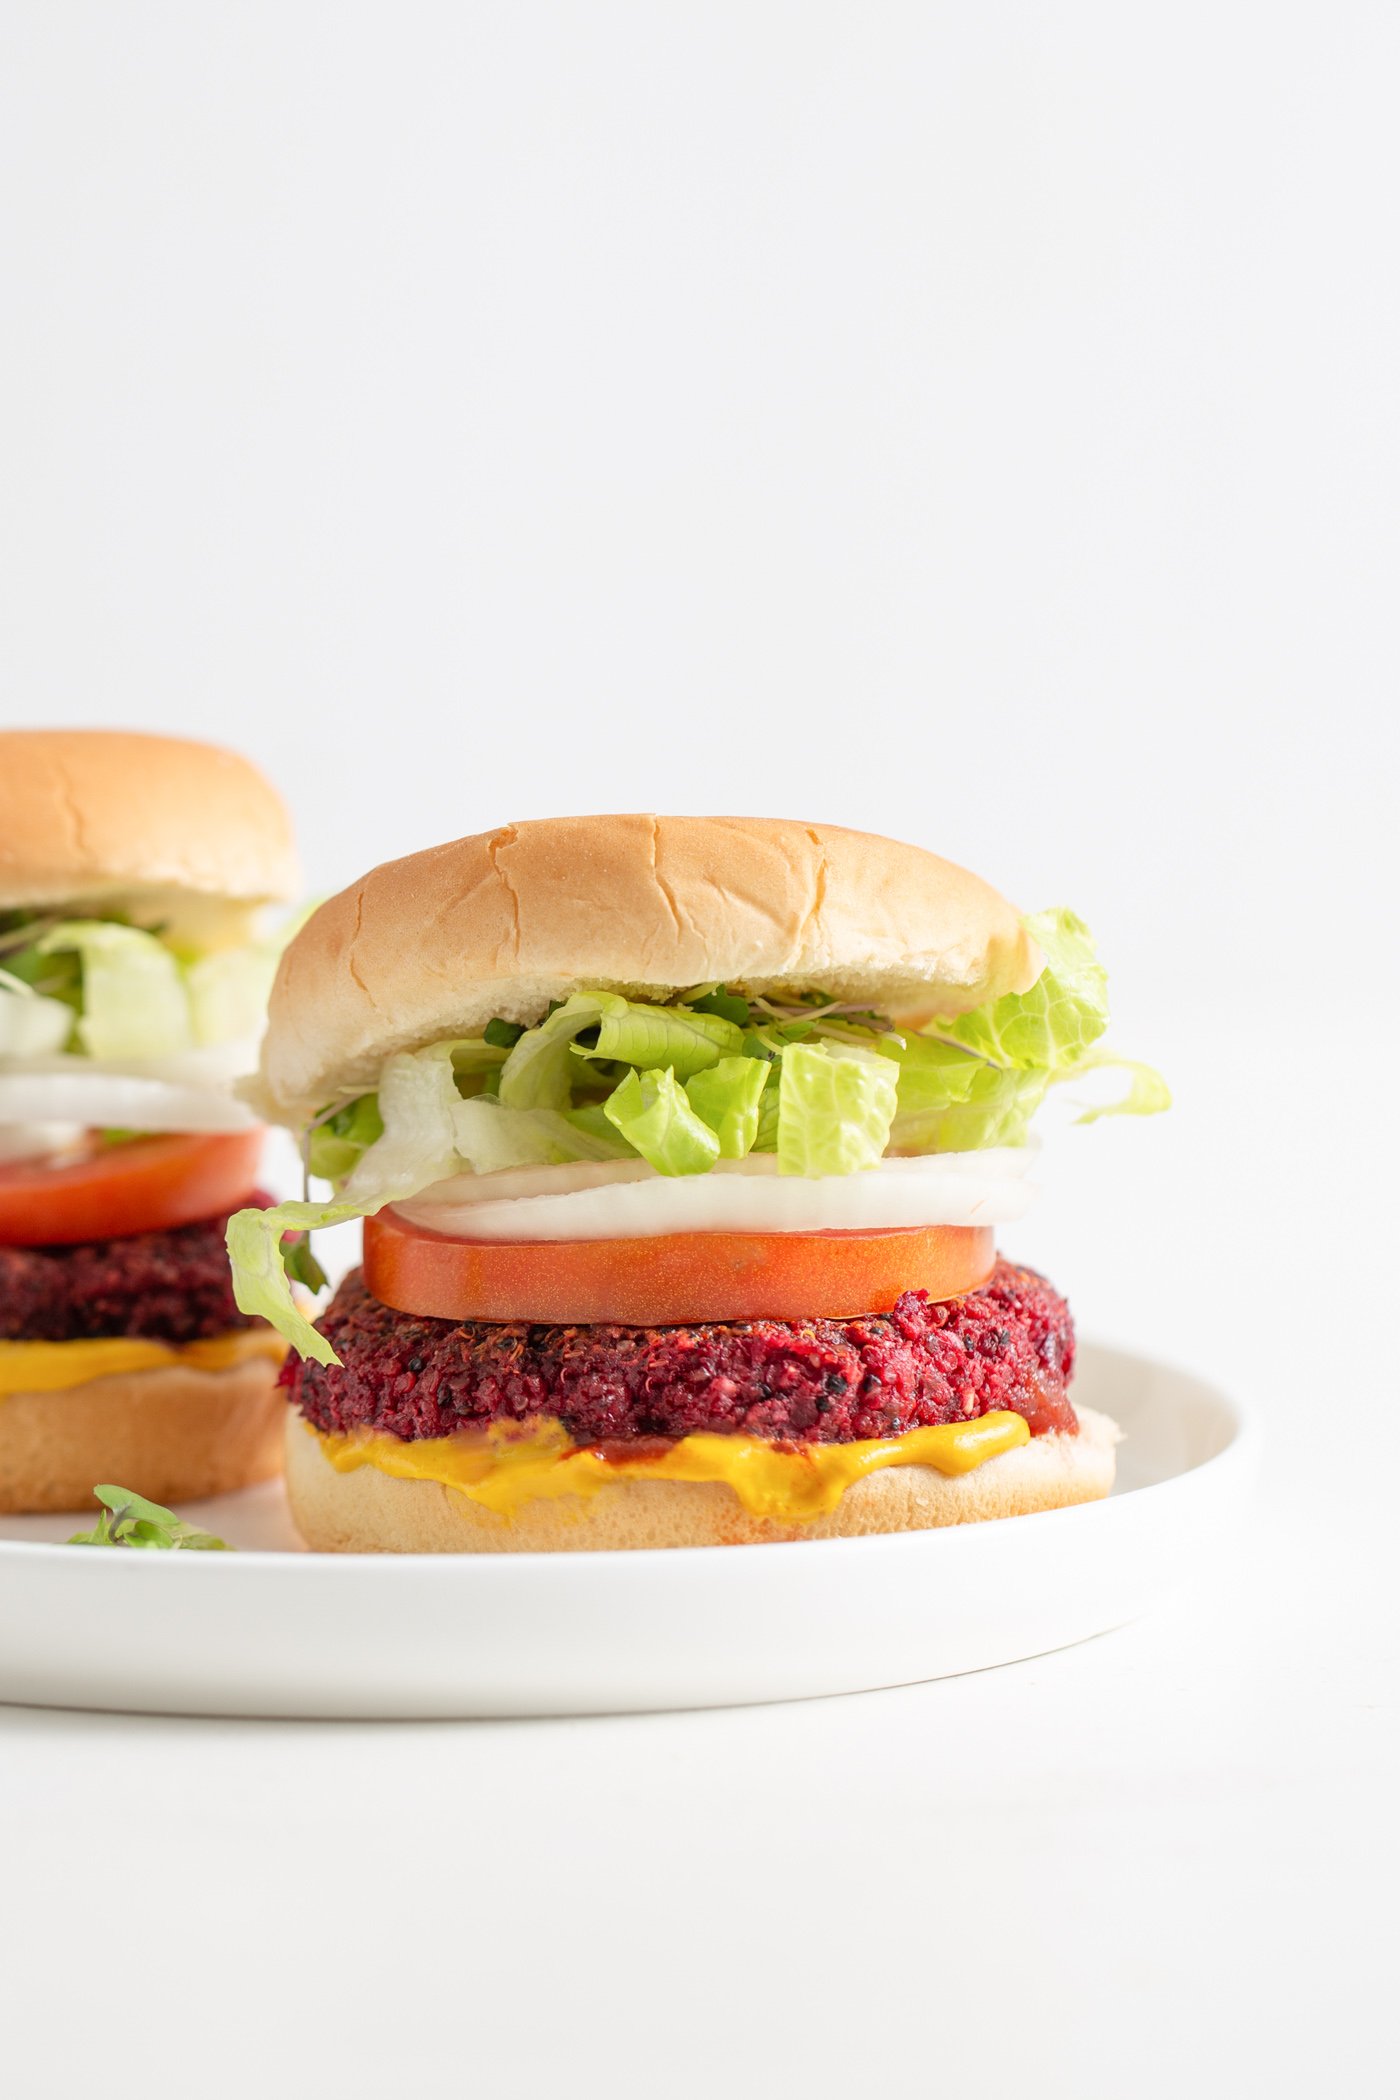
(367, 1511)
(174, 1435)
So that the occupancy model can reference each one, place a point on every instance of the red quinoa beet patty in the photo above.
(1008, 1345)
(168, 1286)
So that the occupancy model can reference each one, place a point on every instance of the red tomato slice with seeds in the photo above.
(671, 1280)
(141, 1185)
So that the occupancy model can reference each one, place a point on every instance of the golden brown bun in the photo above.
(173, 1435)
(90, 816)
(435, 945)
(371, 1512)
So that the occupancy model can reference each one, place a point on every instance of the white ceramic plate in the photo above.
(275, 1630)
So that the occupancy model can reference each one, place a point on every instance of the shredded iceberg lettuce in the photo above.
(1147, 1093)
(653, 1113)
(261, 1286)
(30, 1024)
(134, 999)
(715, 1076)
(228, 992)
(132, 993)
(416, 1103)
(662, 1038)
(728, 1097)
(538, 1073)
(334, 1145)
(835, 1107)
(490, 1137)
(1065, 1010)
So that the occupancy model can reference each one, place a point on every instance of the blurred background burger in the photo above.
(134, 968)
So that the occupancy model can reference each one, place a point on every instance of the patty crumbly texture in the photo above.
(170, 1286)
(1008, 1345)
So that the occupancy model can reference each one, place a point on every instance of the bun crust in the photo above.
(502, 923)
(371, 1512)
(88, 815)
(174, 1435)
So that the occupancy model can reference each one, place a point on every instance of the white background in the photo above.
(973, 423)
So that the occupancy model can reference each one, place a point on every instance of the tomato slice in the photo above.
(143, 1185)
(671, 1280)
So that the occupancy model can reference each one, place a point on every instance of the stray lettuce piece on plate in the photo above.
(130, 1520)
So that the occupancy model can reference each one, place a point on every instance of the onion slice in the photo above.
(629, 1200)
(105, 1100)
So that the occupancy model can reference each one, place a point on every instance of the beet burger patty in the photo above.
(1009, 1345)
(681, 1146)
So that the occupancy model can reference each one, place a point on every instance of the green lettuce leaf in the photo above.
(228, 992)
(130, 1520)
(229, 989)
(652, 1112)
(663, 1038)
(952, 1101)
(1147, 1094)
(25, 964)
(491, 1137)
(134, 999)
(728, 1005)
(30, 1024)
(766, 1135)
(261, 1286)
(933, 1077)
(334, 1147)
(538, 1073)
(1052, 1025)
(996, 1110)
(591, 1124)
(835, 1108)
(728, 1097)
(473, 1054)
(416, 1099)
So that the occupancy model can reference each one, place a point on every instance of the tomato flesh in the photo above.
(142, 1185)
(672, 1280)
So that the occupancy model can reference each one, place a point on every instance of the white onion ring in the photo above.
(211, 1064)
(603, 1200)
(31, 1141)
(107, 1100)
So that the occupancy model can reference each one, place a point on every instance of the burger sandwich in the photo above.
(134, 972)
(682, 1145)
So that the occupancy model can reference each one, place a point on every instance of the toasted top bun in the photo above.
(156, 825)
(433, 946)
